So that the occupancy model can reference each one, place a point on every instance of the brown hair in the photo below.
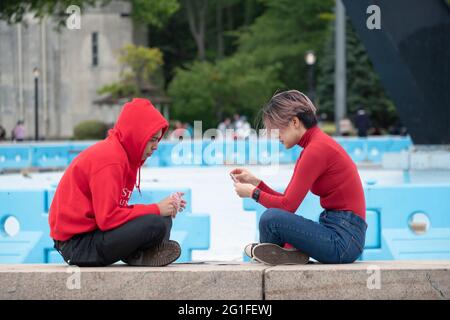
(286, 105)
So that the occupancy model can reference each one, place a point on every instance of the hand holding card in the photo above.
(178, 201)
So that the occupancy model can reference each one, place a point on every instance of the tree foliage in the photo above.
(14, 11)
(155, 13)
(226, 56)
(210, 91)
(139, 66)
(269, 56)
(363, 84)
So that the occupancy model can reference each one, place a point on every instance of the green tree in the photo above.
(284, 33)
(211, 91)
(155, 13)
(139, 67)
(270, 56)
(220, 24)
(90, 130)
(363, 84)
(13, 11)
(212, 24)
(152, 12)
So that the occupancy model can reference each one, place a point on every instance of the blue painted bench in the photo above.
(393, 208)
(197, 153)
(15, 157)
(372, 149)
(32, 244)
(211, 153)
(389, 212)
(50, 156)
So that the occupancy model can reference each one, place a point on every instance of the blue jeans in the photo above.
(338, 237)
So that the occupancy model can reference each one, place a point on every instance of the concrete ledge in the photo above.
(395, 279)
(363, 280)
(177, 281)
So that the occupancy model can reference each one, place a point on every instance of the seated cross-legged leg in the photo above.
(320, 241)
(143, 241)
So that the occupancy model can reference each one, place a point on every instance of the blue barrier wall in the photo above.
(390, 210)
(15, 156)
(188, 153)
(32, 244)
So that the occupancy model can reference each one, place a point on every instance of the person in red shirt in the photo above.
(90, 219)
(325, 169)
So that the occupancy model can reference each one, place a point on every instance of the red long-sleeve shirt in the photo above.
(324, 168)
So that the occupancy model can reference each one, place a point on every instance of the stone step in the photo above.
(240, 281)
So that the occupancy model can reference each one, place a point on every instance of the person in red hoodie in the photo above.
(324, 168)
(90, 219)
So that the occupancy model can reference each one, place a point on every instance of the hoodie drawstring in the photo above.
(138, 185)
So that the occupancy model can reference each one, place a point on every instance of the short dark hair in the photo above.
(283, 106)
(309, 119)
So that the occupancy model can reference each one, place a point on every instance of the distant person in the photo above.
(189, 129)
(180, 132)
(90, 219)
(245, 129)
(2, 133)
(237, 124)
(224, 126)
(19, 132)
(398, 129)
(376, 131)
(345, 127)
(322, 119)
(362, 122)
(237, 121)
(403, 131)
(324, 168)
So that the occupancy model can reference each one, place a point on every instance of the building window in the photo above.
(95, 49)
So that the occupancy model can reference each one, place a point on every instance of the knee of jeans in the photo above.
(168, 223)
(267, 217)
(156, 225)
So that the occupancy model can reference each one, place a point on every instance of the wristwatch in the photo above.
(255, 194)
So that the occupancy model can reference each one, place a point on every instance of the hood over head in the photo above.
(138, 122)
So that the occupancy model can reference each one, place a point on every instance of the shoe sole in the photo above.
(161, 256)
(253, 245)
(273, 254)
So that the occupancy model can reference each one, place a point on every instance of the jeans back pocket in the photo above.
(352, 252)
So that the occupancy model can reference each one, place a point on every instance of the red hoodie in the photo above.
(94, 191)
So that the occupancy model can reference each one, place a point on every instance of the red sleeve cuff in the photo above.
(154, 209)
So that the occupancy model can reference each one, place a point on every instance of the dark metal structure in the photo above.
(411, 54)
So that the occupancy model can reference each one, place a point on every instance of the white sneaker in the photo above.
(248, 250)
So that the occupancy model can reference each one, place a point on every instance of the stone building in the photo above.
(72, 64)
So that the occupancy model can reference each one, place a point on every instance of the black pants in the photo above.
(98, 248)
